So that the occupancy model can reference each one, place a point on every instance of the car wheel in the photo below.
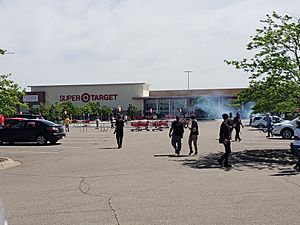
(41, 140)
(1, 141)
(287, 133)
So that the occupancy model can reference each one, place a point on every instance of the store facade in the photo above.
(204, 103)
(112, 95)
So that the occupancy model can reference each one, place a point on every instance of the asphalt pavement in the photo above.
(86, 180)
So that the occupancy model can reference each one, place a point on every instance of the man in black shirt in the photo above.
(176, 134)
(224, 138)
(119, 131)
(237, 123)
(193, 136)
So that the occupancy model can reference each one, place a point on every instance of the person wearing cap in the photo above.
(194, 132)
(176, 134)
(224, 138)
(296, 145)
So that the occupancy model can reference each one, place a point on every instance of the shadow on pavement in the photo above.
(108, 148)
(170, 155)
(270, 159)
(285, 173)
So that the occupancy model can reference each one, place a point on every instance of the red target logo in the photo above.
(85, 97)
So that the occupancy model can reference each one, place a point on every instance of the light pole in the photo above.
(188, 73)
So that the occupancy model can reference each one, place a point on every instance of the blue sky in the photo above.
(108, 41)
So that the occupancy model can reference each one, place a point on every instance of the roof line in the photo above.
(103, 84)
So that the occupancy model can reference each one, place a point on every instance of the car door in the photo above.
(15, 132)
(25, 132)
(30, 130)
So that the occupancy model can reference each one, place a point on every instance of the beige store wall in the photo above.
(112, 95)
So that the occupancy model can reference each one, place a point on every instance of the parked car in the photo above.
(261, 121)
(11, 121)
(3, 221)
(29, 116)
(39, 131)
(285, 129)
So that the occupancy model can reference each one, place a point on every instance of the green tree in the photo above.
(106, 110)
(48, 112)
(275, 66)
(66, 108)
(77, 112)
(131, 110)
(10, 95)
(95, 108)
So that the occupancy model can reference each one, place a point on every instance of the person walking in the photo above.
(97, 123)
(119, 131)
(67, 122)
(230, 124)
(296, 145)
(269, 126)
(193, 136)
(112, 121)
(224, 138)
(237, 124)
(176, 134)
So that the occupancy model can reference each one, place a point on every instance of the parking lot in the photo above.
(86, 180)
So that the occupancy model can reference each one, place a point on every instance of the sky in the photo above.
(116, 41)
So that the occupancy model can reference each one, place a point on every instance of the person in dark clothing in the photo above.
(119, 131)
(224, 138)
(230, 124)
(269, 126)
(176, 134)
(237, 124)
(193, 136)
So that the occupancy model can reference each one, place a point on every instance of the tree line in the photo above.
(92, 110)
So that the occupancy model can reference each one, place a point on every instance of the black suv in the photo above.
(35, 130)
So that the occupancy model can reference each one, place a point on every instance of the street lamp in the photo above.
(188, 73)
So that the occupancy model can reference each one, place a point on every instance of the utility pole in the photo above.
(188, 73)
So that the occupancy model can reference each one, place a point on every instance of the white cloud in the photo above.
(95, 41)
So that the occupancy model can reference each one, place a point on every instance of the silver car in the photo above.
(3, 221)
(285, 129)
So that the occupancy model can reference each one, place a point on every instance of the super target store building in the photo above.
(201, 102)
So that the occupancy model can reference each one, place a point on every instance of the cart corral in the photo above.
(148, 125)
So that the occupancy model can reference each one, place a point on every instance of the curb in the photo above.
(8, 163)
